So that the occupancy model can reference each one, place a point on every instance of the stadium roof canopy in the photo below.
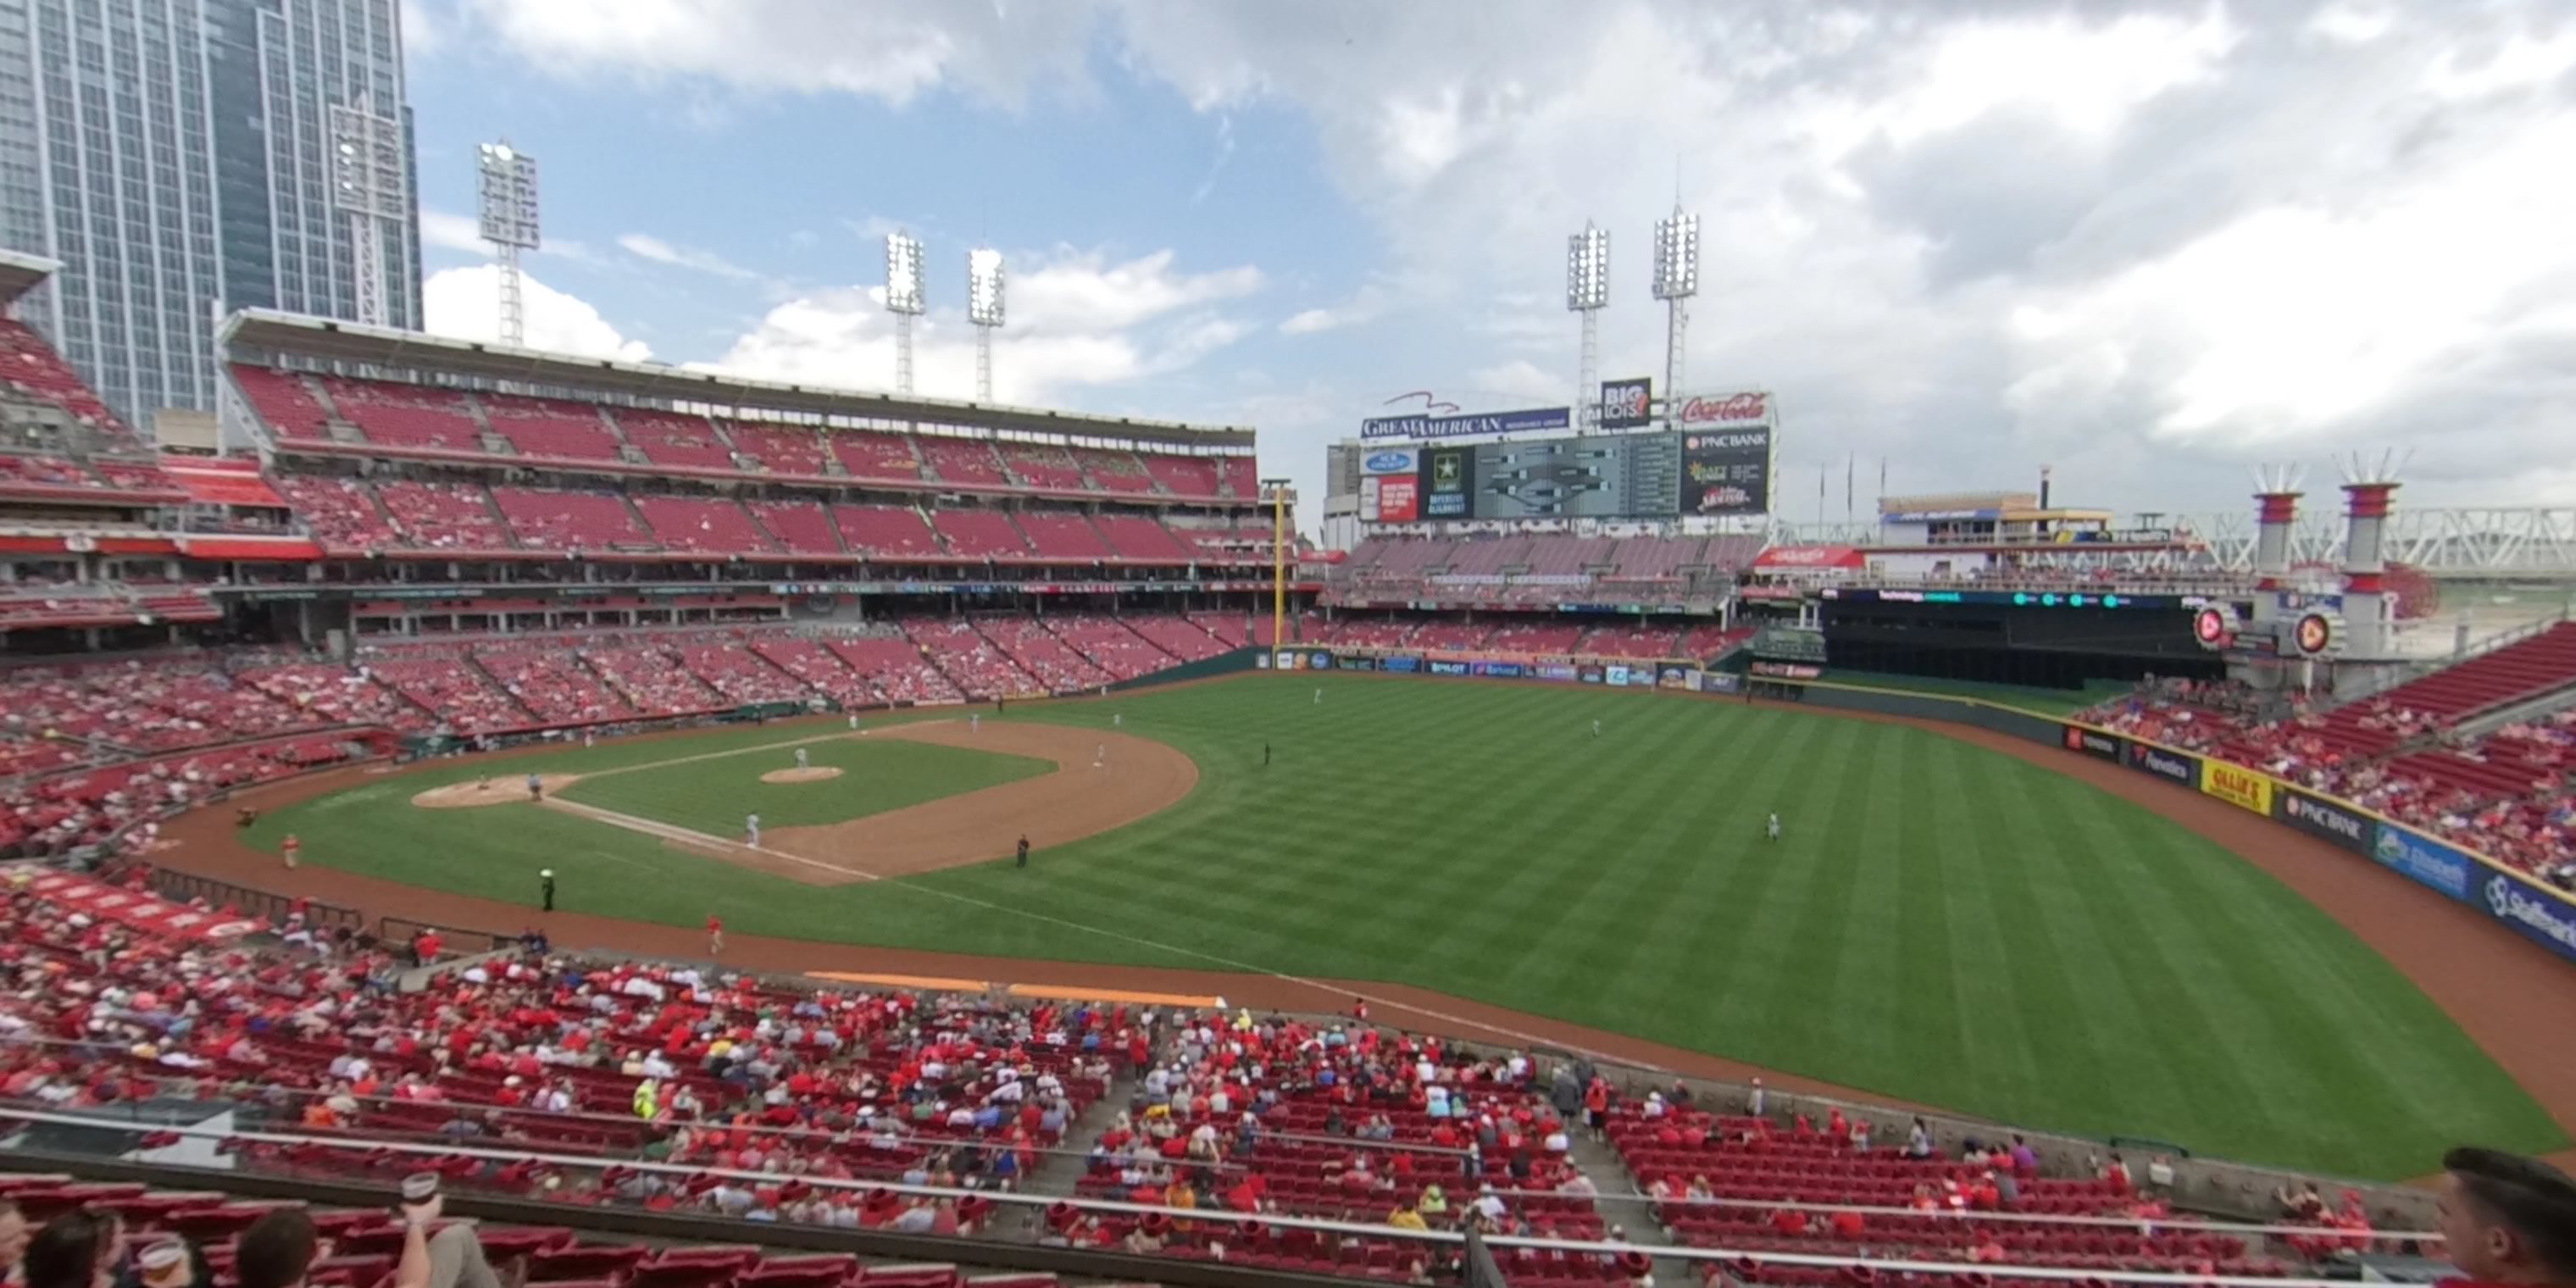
(21, 272)
(257, 334)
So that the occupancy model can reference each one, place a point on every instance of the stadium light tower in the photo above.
(903, 299)
(370, 183)
(984, 309)
(506, 182)
(1676, 280)
(1587, 292)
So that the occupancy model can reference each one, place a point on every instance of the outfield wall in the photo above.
(2514, 899)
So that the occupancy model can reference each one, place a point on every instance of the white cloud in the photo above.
(451, 231)
(1078, 323)
(465, 303)
(646, 246)
(1515, 380)
(1365, 305)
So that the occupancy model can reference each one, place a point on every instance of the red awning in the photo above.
(1788, 558)
(222, 482)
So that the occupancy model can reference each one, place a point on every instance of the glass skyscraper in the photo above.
(175, 156)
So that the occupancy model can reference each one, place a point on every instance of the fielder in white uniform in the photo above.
(751, 830)
(800, 754)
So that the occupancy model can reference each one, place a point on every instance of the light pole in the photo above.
(370, 183)
(1676, 280)
(506, 181)
(984, 309)
(903, 299)
(1587, 292)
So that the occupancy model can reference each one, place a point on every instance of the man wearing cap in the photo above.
(546, 887)
(2506, 1219)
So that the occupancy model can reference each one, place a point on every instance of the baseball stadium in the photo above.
(483, 816)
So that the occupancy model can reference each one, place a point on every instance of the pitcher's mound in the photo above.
(500, 789)
(818, 773)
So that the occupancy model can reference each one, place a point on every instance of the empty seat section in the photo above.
(803, 527)
(1182, 637)
(281, 400)
(341, 513)
(976, 666)
(550, 681)
(887, 531)
(1058, 668)
(1225, 625)
(874, 456)
(416, 416)
(701, 525)
(1135, 537)
(741, 674)
(894, 663)
(30, 366)
(779, 449)
(571, 520)
(1560, 556)
(1063, 536)
(444, 516)
(1655, 558)
(459, 694)
(1488, 556)
(550, 427)
(653, 680)
(334, 694)
(1182, 475)
(669, 438)
(1108, 644)
(979, 534)
(1043, 467)
(818, 667)
(1535, 637)
(1631, 641)
(1114, 471)
(962, 460)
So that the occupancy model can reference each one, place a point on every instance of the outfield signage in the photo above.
(2425, 861)
(2238, 786)
(2171, 766)
(2534, 911)
(2090, 742)
(1526, 421)
(2323, 819)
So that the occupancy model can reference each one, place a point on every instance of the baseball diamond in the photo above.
(1931, 905)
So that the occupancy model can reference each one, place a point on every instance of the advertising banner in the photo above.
(1498, 670)
(1726, 471)
(1392, 460)
(1407, 665)
(1528, 421)
(2536, 912)
(1677, 677)
(1388, 498)
(2425, 861)
(2324, 819)
(1787, 671)
(1448, 486)
(1721, 682)
(2237, 785)
(1319, 662)
(2171, 766)
(2100, 746)
(1615, 676)
(1627, 404)
(1439, 667)
(1591, 674)
(1554, 671)
(1357, 663)
(1724, 411)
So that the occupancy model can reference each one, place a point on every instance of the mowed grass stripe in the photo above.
(1940, 923)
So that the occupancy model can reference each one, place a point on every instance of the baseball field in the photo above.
(1939, 923)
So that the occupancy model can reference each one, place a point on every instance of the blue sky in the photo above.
(2150, 245)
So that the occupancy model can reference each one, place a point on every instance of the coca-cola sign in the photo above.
(1752, 407)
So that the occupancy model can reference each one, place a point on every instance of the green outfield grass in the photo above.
(1940, 923)
(2046, 702)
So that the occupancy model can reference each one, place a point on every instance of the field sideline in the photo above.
(1941, 923)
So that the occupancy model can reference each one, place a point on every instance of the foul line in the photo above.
(671, 832)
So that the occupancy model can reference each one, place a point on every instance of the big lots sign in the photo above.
(1752, 407)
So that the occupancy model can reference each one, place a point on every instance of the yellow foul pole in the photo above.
(1278, 569)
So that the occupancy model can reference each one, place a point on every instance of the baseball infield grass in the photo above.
(1939, 923)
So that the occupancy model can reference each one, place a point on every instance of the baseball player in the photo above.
(536, 788)
(854, 720)
(1319, 697)
(1596, 728)
(546, 887)
(751, 830)
(975, 722)
(289, 849)
(715, 935)
(1118, 720)
(1771, 827)
(800, 758)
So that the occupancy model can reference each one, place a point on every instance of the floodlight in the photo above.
(903, 274)
(1587, 269)
(984, 286)
(1677, 256)
(506, 182)
(370, 183)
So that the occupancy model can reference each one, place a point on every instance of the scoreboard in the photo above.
(1601, 477)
